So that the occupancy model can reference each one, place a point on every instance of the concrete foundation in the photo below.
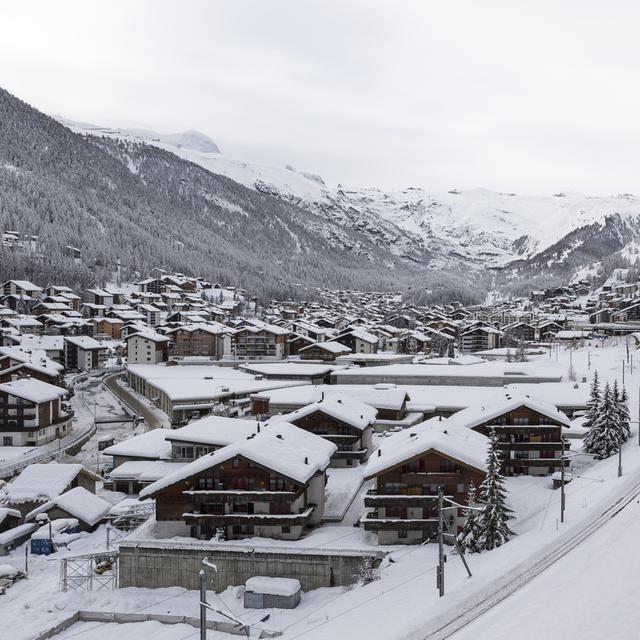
(170, 564)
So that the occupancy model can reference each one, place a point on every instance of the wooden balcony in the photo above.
(236, 518)
(375, 499)
(371, 522)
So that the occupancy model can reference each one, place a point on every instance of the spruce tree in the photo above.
(622, 402)
(493, 520)
(603, 438)
(593, 404)
(521, 354)
(470, 534)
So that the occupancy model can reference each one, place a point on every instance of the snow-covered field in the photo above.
(403, 603)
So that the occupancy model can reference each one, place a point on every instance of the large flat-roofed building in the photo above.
(487, 374)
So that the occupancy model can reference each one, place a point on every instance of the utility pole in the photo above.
(441, 556)
(619, 449)
(562, 482)
(203, 605)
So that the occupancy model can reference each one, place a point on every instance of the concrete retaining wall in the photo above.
(154, 565)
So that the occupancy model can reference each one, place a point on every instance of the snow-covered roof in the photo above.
(148, 334)
(352, 412)
(5, 513)
(145, 470)
(280, 446)
(273, 586)
(42, 482)
(34, 358)
(331, 347)
(149, 445)
(504, 402)
(214, 430)
(77, 502)
(84, 342)
(33, 390)
(459, 443)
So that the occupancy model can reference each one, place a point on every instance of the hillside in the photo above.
(125, 200)
(518, 237)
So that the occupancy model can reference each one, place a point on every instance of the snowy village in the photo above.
(319, 320)
(318, 459)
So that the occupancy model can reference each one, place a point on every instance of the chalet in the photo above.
(326, 351)
(23, 324)
(259, 340)
(345, 422)
(84, 353)
(480, 338)
(152, 314)
(148, 347)
(201, 339)
(270, 484)
(529, 431)
(409, 467)
(519, 331)
(547, 330)
(296, 342)
(358, 340)
(20, 362)
(31, 413)
(79, 503)
(9, 518)
(108, 327)
(414, 342)
(97, 297)
(39, 483)
(20, 288)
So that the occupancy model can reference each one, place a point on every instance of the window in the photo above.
(7, 441)
(402, 533)
(446, 466)
(236, 463)
(286, 528)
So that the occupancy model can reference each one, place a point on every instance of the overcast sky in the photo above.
(532, 97)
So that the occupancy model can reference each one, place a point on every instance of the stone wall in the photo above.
(154, 565)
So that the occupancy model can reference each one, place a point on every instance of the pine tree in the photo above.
(603, 438)
(521, 354)
(622, 402)
(493, 520)
(451, 351)
(593, 404)
(470, 534)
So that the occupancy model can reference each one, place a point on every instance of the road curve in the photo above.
(151, 420)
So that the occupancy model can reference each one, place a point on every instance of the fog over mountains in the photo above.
(178, 202)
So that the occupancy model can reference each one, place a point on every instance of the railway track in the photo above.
(475, 607)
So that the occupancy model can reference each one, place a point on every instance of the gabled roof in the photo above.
(459, 443)
(43, 482)
(33, 390)
(505, 402)
(77, 502)
(281, 447)
(331, 347)
(352, 412)
(150, 445)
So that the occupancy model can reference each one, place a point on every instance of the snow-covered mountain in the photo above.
(476, 228)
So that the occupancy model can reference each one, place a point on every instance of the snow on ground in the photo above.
(12, 453)
(114, 631)
(406, 588)
(591, 594)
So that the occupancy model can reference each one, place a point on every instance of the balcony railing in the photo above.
(236, 518)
